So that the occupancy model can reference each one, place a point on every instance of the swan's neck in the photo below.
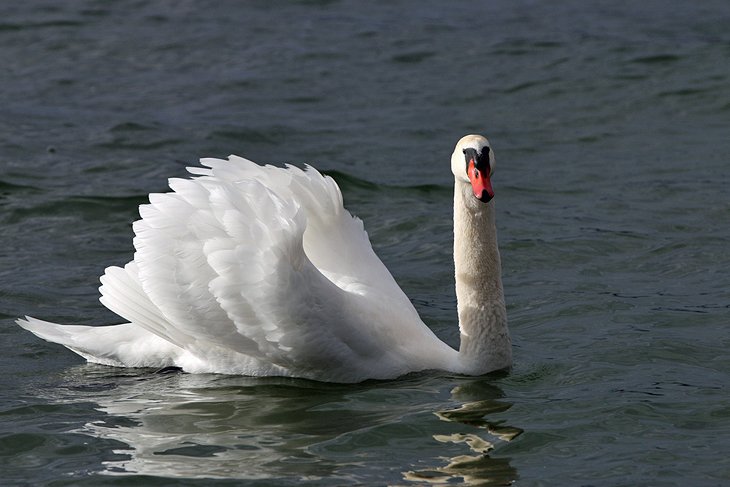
(485, 343)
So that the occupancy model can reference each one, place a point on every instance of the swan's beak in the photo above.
(480, 182)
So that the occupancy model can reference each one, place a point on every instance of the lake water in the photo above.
(609, 121)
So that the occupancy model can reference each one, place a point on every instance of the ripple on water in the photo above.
(612, 197)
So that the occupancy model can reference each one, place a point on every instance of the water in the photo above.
(609, 122)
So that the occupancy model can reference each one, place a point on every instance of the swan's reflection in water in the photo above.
(192, 426)
(478, 400)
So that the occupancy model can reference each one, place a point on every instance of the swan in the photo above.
(260, 271)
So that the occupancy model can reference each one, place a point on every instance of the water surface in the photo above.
(609, 123)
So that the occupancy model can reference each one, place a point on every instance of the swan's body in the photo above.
(260, 271)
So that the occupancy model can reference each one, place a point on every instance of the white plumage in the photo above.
(257, 270)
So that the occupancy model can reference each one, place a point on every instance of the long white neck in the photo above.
(485, 343)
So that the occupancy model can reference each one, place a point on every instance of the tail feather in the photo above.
(46, 330)
(125, 345)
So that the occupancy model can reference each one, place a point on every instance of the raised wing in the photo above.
(265, 264)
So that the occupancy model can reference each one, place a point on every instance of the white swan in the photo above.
(260, 271)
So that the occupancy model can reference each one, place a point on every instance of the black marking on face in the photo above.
(481, 160)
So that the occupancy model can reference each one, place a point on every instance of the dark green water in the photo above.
(610, 125)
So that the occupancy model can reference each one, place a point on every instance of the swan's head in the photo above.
(473, 163)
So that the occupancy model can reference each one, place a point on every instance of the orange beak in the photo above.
(480, 182)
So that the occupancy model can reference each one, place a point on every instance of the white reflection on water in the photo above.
(192, 426)
(480, 468)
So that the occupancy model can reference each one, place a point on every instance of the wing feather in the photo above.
(266, 264)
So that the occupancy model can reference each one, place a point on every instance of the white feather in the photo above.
(256, 270)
